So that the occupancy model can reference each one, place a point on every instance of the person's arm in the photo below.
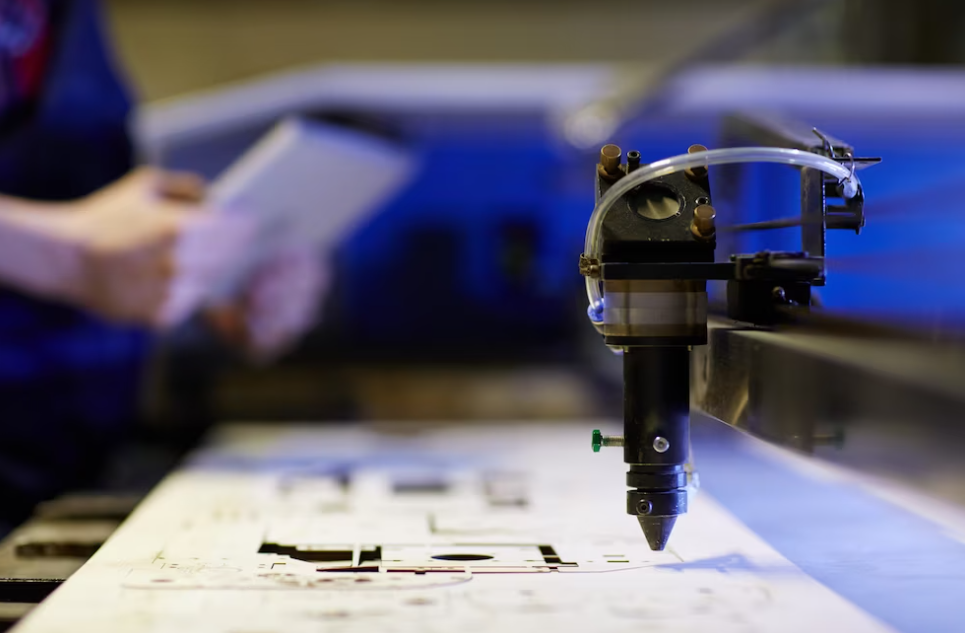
(112, 253)
(142, 251)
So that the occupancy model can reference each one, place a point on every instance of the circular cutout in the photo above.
(702, 200)
(654, 202)
(463, 557)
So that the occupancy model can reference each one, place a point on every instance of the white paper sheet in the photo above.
(310, 183)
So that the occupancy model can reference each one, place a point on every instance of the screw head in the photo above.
(661, 444)
(644, 507)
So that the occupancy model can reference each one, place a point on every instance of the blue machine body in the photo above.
(478, 255)
(483, 246)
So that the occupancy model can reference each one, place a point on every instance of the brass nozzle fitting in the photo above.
(610, 159)
(696, 173)
(704, 225)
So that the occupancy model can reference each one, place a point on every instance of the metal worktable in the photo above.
(510, 527)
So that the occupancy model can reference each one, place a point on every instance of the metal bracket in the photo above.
(589, 267)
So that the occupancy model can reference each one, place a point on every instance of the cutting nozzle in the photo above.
(657, 530)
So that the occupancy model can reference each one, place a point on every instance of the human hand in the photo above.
(277, 307)
(137, 251)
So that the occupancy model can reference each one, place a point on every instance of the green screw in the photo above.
(599, 440)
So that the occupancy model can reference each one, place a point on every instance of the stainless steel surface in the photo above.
(881, 404)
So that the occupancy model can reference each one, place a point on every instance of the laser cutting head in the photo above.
(653, 311)
(648, 255)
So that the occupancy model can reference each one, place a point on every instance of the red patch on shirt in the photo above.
(24, 50)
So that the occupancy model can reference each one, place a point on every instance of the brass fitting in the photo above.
(704, 224)
(589, 267)
(696, 173)
(610, 161)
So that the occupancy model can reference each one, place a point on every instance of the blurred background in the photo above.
(173, 47)
(460, 299)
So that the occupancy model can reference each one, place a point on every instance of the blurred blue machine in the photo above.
(477, 257)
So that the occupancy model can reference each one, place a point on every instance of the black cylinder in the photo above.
(656, 403)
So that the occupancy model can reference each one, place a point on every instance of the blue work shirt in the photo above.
(68, 381)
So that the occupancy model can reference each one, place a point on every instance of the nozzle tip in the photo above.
(657, 530)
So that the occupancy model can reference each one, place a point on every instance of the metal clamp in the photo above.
(590, 267)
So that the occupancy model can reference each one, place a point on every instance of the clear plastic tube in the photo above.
(591, 249)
